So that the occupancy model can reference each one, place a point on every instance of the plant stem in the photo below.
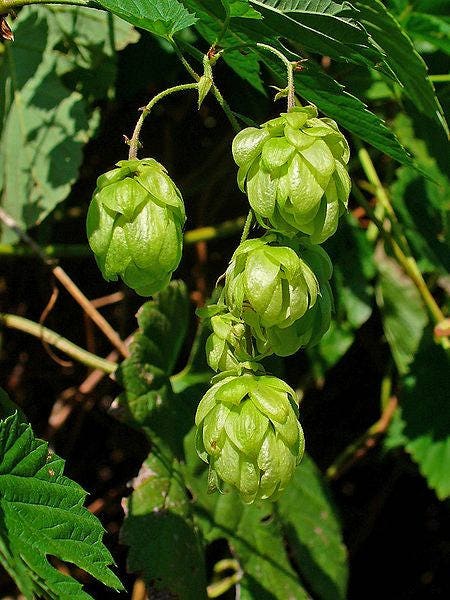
(440, 78)
(358, 449)
(68, 283)
(134, 142)
(290, 72)
(213, 232)
(51, 337)
(396, 238)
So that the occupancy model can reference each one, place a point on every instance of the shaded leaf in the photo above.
(163, 545)
(402, 311)
(429, 28)
(41, 514)
(160, 17)
(402, 57)
(424, 420)
(145, 374)
(44, 127)
(313, 532)
(240, 8)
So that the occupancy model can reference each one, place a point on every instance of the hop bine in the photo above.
(134, 225)
(249, 434)
(293, 169)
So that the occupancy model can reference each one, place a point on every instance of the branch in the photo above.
(67, 282)
(51, 337)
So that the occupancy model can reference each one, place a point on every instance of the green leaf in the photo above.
(401, 56)
(327, 33)
(44, 127)
(42, 514)
(253, 532)
(352, 290)
(402, 310)
(429, 28)
(161, 17)
(313, 533)
(240, 8)
(424, 415)
(145, 374)
(158, 528)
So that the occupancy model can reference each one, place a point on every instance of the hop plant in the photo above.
(267, 284)
(134, 225)
(293, 170)
(249, 434)
(226, 347)
(309, 329)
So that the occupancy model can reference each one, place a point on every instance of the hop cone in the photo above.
(293, 170)
(249, 434)
(134, 225)
(268, 284)
(226, 346)
(309, 329)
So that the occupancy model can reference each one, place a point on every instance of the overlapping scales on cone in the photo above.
(308, 329)
(249, 435)
(134, 225)
(267, 283)
(293, 169)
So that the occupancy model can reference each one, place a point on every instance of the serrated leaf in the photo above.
(145, 374)
(327, 33)
(44, 126)
(161, 17)
(402, 311)
(327, 7)
(402, 57)
(425, 417)
(313, 533)
(164, 547)
(42, 514)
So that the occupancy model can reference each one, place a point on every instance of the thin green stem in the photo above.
(444, 78)
(134, 142)
(184, 61)
(51, 337)
(289, 69)
(226, 108)
(408, 263)
(213, 232)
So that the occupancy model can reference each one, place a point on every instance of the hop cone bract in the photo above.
(293, 171)
(268, 284)
(226, 346)
(309, 329)
(134, 225)
(249, 434)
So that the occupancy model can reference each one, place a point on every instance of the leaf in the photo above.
(240, 8)
(87, 49)
(352, 290)
(161, 17)
(44, 127)
(429, 28)
(145, 374)
(41, 515)
(158, 528)
(424, 415)
(253, 533)
(402, 57)
(327, 7)
(402, 310)
(327, 33)
(313, 533)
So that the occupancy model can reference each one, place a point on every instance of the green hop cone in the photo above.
(267, 284)
(249, 434)
(293, 169)
(134, 225)
(309, 329)
(226, 346)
